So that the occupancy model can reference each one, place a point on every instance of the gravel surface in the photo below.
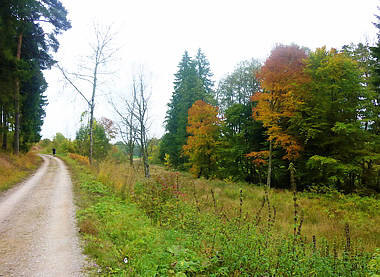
(38, 233)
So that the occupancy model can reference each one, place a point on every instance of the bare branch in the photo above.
(102, 52)
(72, 84)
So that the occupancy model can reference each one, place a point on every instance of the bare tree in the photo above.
(128, 125)
(135, 120)
(102, 51)
(141, 115)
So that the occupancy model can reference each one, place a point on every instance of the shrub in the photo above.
(82, 159)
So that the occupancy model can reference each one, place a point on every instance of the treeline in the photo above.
(25, 51)
(304, 117)
(104, 130)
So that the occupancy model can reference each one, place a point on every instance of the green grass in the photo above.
(116, 229)
(161, 231)
(324, 214)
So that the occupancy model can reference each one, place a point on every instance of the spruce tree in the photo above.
(188, 88)
(202, 67)
(375, 51)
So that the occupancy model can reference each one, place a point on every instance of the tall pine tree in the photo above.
(202, 66)
(375, 51)
(192, 83)
(25, 51)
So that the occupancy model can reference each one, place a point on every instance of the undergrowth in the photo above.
(14, 168)
(121, 238)
(157, 227)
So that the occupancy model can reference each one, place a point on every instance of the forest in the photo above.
(304, 117)
(312, 112)
(25, 51)
(274, 170)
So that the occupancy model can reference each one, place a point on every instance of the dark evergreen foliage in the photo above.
(25, 50)
(192, 82)
(375, 52)
(240, 133)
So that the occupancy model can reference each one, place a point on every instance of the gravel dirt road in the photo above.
(38, 234)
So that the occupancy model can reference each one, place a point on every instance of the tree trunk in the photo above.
(1, 123)
(5, 131)
(145, 161)
(269, 165)
(92, 112)
(131, 141)
(130, 150)
(91, 132)
(146, 168)
(16, 140)
(144, 150)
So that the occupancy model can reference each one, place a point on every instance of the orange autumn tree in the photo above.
(280, 77)
(203, 129)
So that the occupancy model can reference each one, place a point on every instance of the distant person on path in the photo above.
(54, 151)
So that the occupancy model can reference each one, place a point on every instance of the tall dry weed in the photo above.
(13, 168)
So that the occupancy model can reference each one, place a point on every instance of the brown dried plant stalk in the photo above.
(258, 214)
(241, 205)
(348, 238)
(214, 200)
(196, 198)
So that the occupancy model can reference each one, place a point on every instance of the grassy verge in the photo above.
(172, 225)
(119, 237)
(15, 168)
(322, 215)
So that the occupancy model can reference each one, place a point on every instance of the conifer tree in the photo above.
(202, 66)
(192, 82)
(26, 50)
(375, 51)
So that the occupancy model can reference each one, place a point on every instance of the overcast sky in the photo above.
(154, 34)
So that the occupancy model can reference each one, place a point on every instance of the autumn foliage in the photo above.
(314, 111)
(280, 77)
(203, 129)
(82, 159)
(109, 127)
(259, 157)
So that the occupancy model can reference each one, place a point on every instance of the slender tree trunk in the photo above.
(144, 151)
(92, 112)
(269, 165)
(130, 150)
(5, 130)
(91, 132)
(1, 123)
(131, 159)
(146, 165)
(131, 142)
(16, 140)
